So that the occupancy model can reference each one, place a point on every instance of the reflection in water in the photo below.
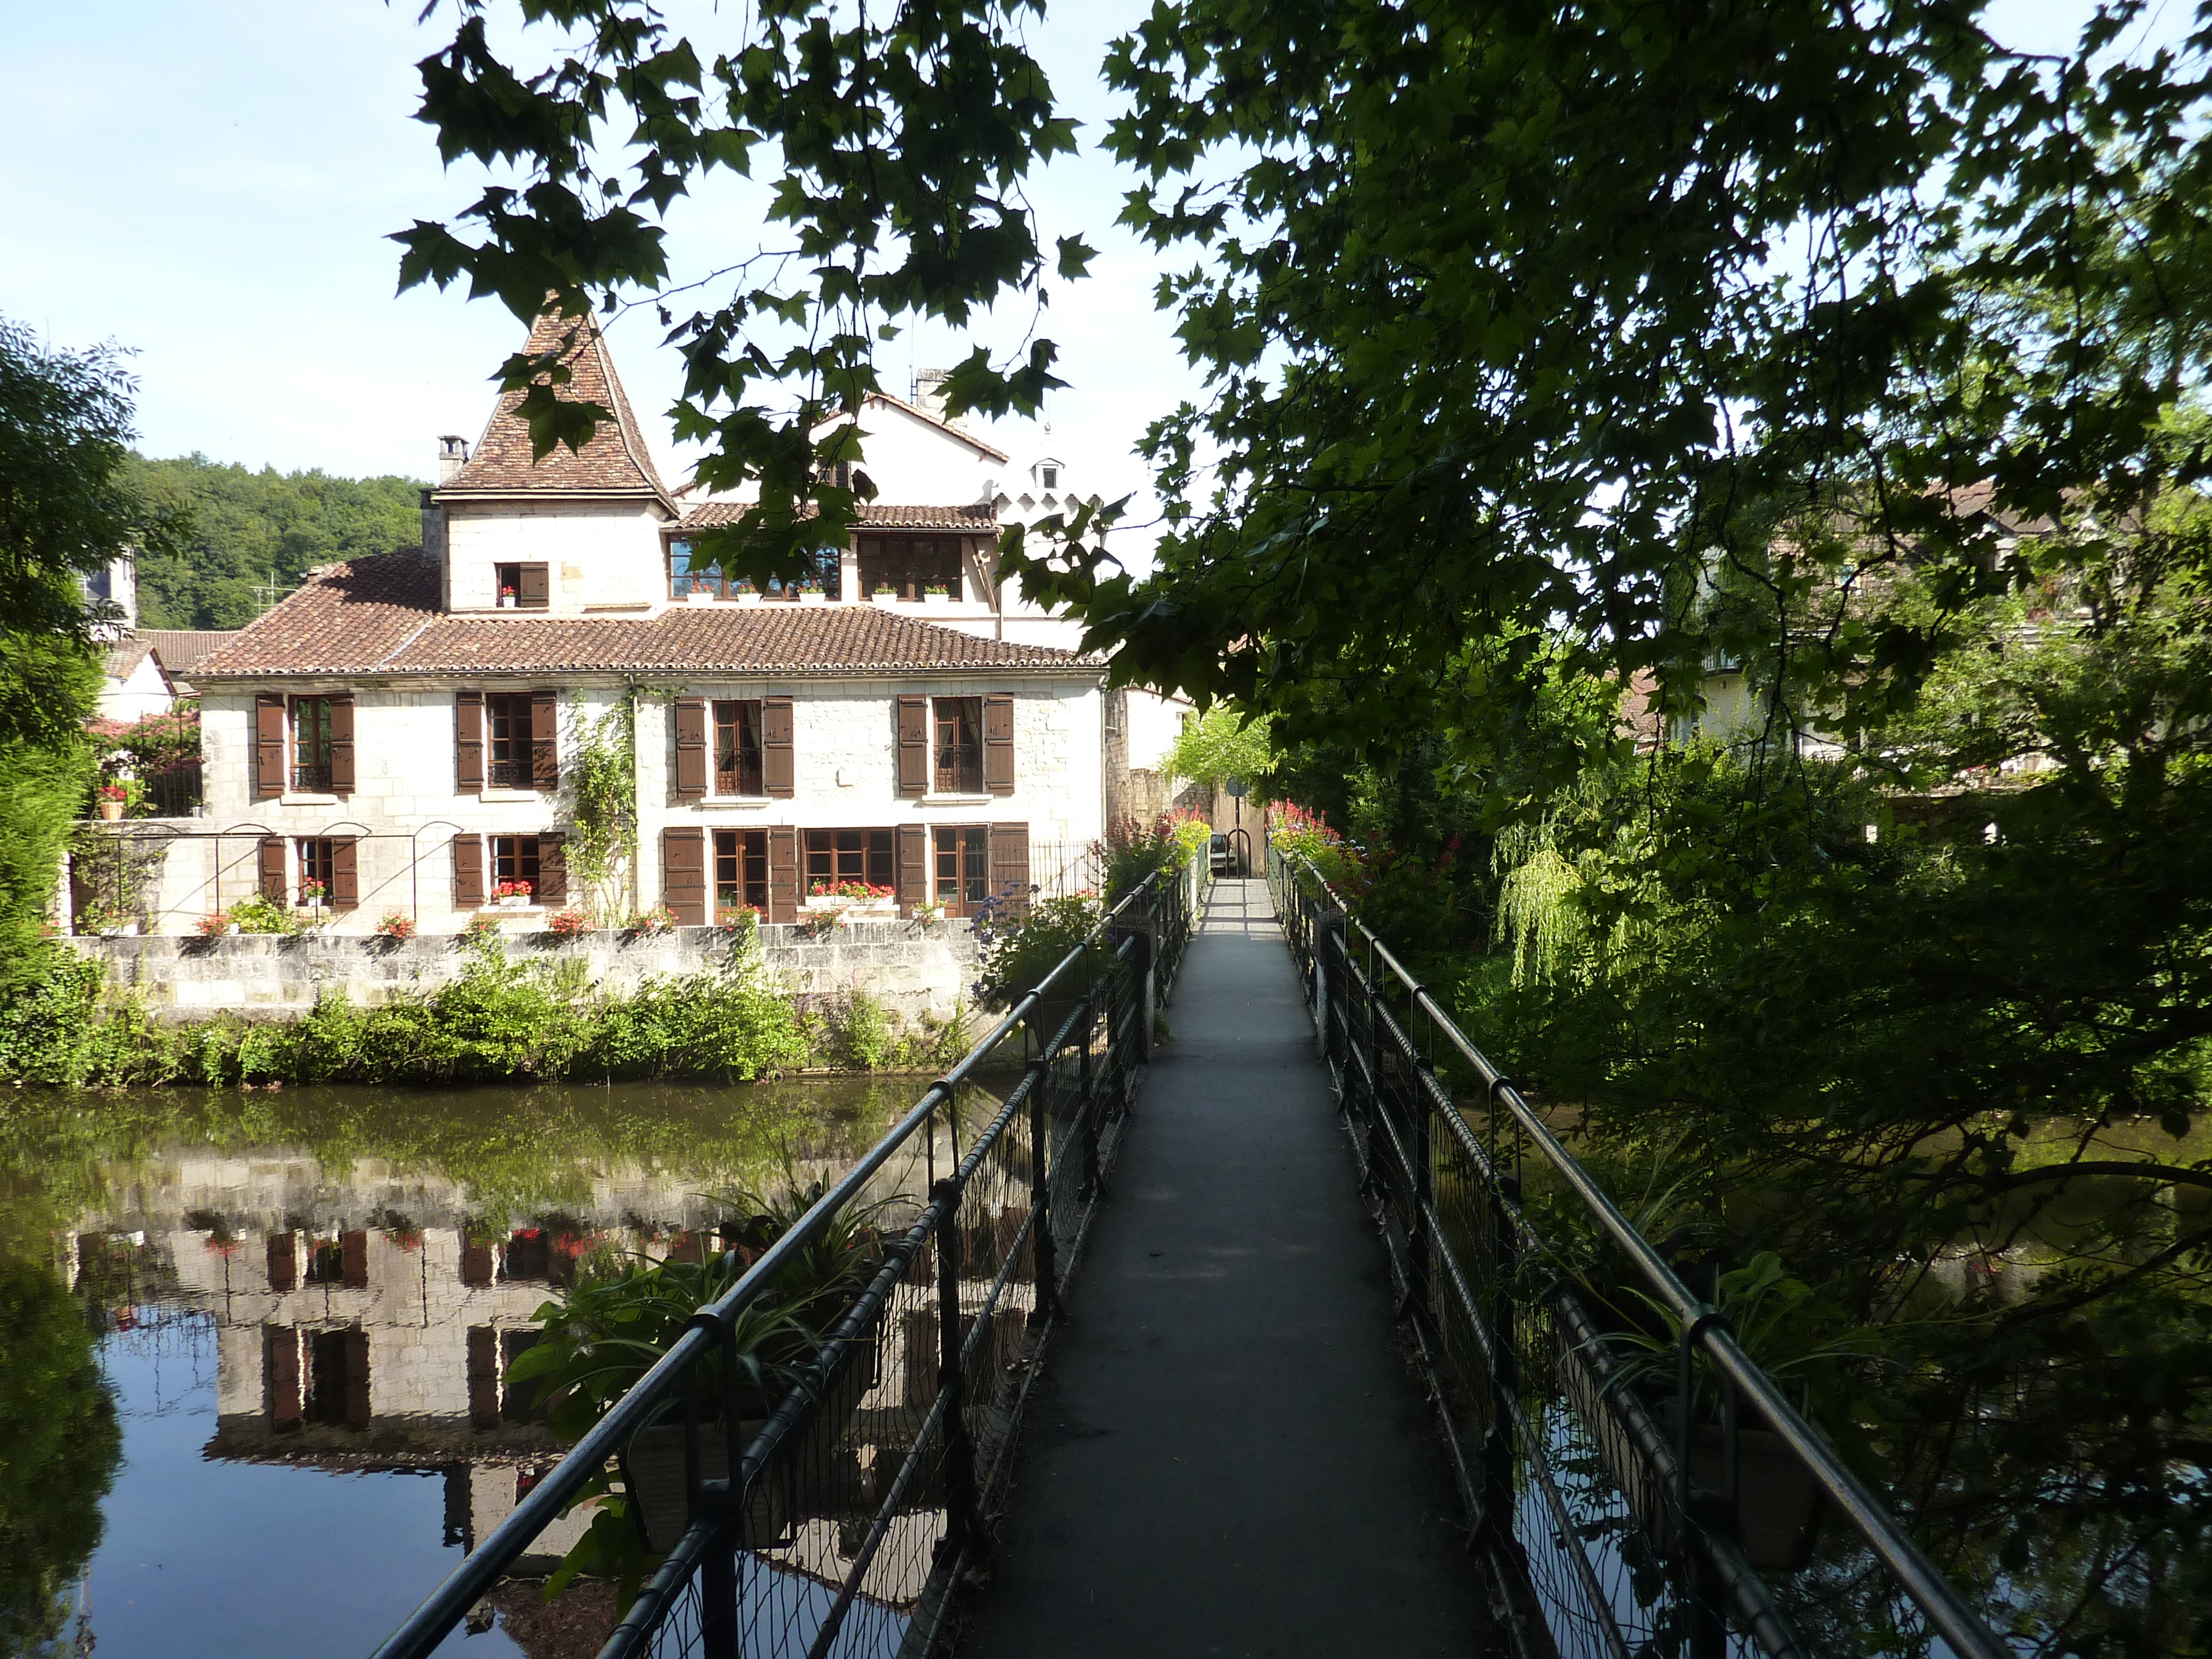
(304, 1304)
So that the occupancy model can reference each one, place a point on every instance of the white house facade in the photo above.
(402, 732)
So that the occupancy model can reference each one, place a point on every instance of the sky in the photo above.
(210, 185)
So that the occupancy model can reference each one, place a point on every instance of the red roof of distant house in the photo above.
(874, 515)
(379, 616)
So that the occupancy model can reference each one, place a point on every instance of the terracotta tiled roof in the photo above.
(181, 649)
(614, 459)
(122, 660)
(378, 616)
(937, 421)
(347, 616)
(874, 515)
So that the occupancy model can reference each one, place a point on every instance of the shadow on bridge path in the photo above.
(1227, 1454)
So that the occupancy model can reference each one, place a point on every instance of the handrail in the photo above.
(432, 1621)
(1930, 1590)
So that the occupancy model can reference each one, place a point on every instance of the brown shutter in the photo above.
(341, 745)
(468, 741)
(484, 1373)
(353, 1260)
(690, 745)
(782, 874)
(468, 873)
(532, 589)
(268, 744)
(476, 1264)
(345, 873)
(357, 1378)
(912, 745)
(778, 774)
(1010, 862)
(683, 875)
(273, 868)
(545, 739)
(913, 865)
(283, 1261)
(280, 1365)
(998, 747)
(552, 869)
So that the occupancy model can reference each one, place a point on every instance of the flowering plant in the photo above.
(512, 890)
(849, 890)
(395, 925)
(568, 923)
(313, 892)
(930, 910)
(507, 592)
(212, 924)
(113, 792)
(657, 920)
(482, 925)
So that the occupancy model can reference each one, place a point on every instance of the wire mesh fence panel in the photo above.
(1603, 1519)
(829, 1514)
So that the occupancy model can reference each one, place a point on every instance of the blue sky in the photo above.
(209, 184)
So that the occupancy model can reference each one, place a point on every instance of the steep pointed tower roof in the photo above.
(616, 462)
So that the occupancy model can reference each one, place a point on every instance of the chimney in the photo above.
(929, 392)
(453, 456)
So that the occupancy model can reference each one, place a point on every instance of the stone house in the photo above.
(403, 730)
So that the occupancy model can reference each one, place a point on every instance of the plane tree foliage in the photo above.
(891, 144)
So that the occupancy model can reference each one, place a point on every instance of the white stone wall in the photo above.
(600, 554)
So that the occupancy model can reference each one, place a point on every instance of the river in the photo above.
(300, 1301)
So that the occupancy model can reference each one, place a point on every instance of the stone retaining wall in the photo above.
(914, 969)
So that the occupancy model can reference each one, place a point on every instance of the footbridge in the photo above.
(1219, 1327)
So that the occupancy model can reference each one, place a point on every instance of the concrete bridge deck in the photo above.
(1228, 1454)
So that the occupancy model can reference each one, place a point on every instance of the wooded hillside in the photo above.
(250, 529)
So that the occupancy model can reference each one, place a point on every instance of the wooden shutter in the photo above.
(1010, 863)
(345, 873)
(341, 745)
(777, 773)
(357, 1378)
(483, 1372)
(552, 868)
(353, 1260)
(476, 1264)
(912, 867)
(283, 1261)
(782, 874)
(272, 871)
(532, 588)
(468, 741)
(691, 746)
(468, 873)
(998, 749)
(912, 745)
(545, 739)
(280, 1365)
(268, 744)
(683, 875)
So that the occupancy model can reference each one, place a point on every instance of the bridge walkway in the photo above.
(1227, 1454)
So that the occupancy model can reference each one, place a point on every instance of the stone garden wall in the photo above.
(914, 969)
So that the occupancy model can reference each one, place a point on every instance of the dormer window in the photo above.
(1049, 476)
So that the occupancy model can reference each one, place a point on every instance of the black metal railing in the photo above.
(310, 777)
(1614, 1522)
(509, 774)
(854, 1509)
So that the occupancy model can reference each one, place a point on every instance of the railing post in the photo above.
(963, 1527)
(1498, 1453)
(1048, 1285)
(1327, 957)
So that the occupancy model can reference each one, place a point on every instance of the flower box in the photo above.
(111, 810)
(852, 906)
(937, 600)
(814, 598)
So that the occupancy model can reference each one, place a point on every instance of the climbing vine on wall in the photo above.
(601, 786)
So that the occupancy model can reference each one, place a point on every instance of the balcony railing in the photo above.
(509, 774)
(959, 769)
(312, 779)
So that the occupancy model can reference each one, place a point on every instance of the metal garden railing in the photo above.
(1613, 1523)
(855, 1504)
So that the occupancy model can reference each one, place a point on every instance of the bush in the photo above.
(1019, 950)
(1134, 851)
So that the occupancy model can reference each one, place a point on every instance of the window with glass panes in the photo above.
(909, 565)
(737, 747)
(513, 858)
(740, 872)
(837, 856)
(315, 866)
(506, 740)
(311, 744)
(961, 876)
(956, 754)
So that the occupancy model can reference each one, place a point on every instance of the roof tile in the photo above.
(379, 616)
(874, 515)
(615, 459)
